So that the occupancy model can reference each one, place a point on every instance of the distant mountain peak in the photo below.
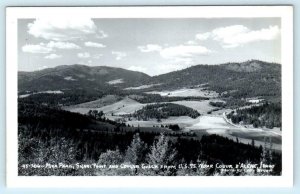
(247, 66)
(93, 79)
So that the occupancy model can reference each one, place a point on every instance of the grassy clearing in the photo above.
(106, 100)
(114, 109)
(182, 121)
(184, 92)
(142, 87)
(123, 107)
(109, 105)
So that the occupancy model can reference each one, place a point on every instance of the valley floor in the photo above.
(215, 122)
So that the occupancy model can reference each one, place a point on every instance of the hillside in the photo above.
(68, 77)
(116, 105)
(55, 136)
(247, 79)
(76, 84)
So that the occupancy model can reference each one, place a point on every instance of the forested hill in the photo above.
(248, 79)
(79, 83)
(54, 136)
(83, 77)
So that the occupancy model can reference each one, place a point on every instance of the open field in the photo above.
(116, 108)
(216, 125)
(221, 111)
(106, 100)
(122, 107)
(142, 87)
(182, 121)
(42, 92)
(210, 122)
(116, 105)
(116, 81)
(185, 92)
(201, 106)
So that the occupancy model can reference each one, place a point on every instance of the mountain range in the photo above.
(239, 80)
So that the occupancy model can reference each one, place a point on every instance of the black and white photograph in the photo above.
(150, 96)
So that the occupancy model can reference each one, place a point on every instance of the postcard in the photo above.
(153, 96)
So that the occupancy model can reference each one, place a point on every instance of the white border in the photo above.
(284, 12)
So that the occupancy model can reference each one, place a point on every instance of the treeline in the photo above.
(150, 98)
(55, 136)
(229, 82)
(69, 97)
(266, 115)
(218, 104)
(65, 99)
(163, 111)
(42, 116)
(69, 148)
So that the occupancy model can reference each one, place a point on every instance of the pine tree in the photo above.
(108, 158)
(162, 153)
(266, 156)
(134, 153)
(252, 143)
(111, 157)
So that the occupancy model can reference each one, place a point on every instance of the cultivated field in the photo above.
(219, 125)
(106, 100)
(182, 121)
(185, 92)
(117, 108)
(122, 107)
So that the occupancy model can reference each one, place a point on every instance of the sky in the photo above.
(152, 46)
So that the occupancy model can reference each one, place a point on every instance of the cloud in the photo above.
(119, 55)
(137, 68)
(62, 45)
(203, 36)
(49, 47)
(179, 53)
(37, 48)
(97, 56)
(53, 56)
(158, 68)
(101, 34)
(184, 60)
(84, 55)
(166, 68)
(94, 44)
(183, 52)
(238, 35)
(61, 28)
(149, 48)
(44, 67)
(234, 36)
(191, 42)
